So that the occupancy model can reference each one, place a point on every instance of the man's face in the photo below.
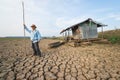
(33, 28)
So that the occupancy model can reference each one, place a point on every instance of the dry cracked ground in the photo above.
(95, 62)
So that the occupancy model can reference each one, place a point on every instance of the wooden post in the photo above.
(68, 35)
(102, 32)
(63, 36)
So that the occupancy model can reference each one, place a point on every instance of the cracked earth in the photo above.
(95, 62)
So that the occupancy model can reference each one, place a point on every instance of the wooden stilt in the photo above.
(102, 32)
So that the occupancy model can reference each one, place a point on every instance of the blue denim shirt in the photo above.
(35, 35)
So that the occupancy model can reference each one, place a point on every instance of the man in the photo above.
(35, 38)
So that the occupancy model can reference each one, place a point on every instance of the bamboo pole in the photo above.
(23, 16)
(23, 25)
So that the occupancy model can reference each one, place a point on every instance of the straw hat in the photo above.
(33, 25)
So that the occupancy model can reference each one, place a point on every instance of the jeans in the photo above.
(36, 49)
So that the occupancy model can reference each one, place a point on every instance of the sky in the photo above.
(51, 16)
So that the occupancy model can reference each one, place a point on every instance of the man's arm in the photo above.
(39, 36)
(25, 27)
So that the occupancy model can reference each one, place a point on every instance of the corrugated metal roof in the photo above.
(88, 20)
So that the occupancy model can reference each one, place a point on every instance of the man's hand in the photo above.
(24, 25)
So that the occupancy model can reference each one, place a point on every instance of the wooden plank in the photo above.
(56, 44)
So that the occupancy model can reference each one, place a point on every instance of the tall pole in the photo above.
(23, 16)
(24, 23)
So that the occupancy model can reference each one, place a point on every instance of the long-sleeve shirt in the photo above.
(35, 35)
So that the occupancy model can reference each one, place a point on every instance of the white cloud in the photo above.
(102, 19)
(111, 16)
(115, 16)
(103, 10)
(63, 22)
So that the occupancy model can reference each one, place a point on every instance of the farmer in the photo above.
(35, 38)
